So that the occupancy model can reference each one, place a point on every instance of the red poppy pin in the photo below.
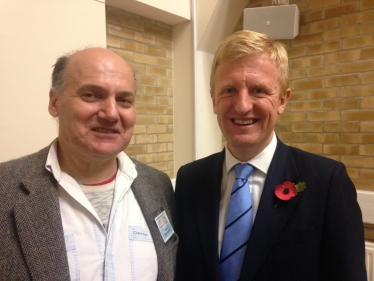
(287, 190)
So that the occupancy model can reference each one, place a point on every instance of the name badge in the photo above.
(164, 226)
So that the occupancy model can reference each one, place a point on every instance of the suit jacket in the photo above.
(317, 235)
(32, 243)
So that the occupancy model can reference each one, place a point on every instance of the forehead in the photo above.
(98, 65)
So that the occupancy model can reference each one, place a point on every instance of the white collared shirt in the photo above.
(256, 182)
(124, 252)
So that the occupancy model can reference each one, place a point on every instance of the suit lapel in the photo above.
(152, 203)
(270, 221)
(39, 228)
(207, 211)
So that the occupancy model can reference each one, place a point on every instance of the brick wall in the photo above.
(147, 46)
(331, 109)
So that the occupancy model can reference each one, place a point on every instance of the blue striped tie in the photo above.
(238, 225)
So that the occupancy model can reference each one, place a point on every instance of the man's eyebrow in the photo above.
(99, 88)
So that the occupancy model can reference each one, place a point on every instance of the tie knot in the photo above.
(243, 171)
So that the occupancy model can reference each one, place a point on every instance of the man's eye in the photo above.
(258, 91)
(88, 95)
(125, 101)
(229, 90)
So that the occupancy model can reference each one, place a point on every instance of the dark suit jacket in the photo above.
(32, 243)
(317, 235)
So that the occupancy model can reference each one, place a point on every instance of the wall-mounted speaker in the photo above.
(279, 22)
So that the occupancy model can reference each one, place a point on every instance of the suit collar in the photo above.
(270, 221)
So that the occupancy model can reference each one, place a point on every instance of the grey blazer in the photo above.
(32, 243)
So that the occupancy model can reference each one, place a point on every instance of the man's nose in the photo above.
(108, 110)
(243, 102)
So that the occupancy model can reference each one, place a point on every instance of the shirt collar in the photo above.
(261, 161)
(126, 166)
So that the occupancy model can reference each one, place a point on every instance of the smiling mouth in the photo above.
(105, 131)
(244, 122)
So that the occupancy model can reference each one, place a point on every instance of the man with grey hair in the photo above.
(81, 209)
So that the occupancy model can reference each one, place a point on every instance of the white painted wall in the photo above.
(33, 34)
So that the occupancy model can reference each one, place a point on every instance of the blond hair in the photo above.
(249, 43)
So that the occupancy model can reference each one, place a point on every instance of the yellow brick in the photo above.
(367, 150)
(310, 147)
(164, 62)
(342, 56)
(165, 43)
(323, 70)
(140, 129)
(155, 70)
(164, 81)
(152, 129)
(146, 138)
(296, 96)
(113, 41)
(126, 55)
(112, 18)
(342, 149)
(357, 138)
(147, 158)
(306, 84)
(307, 127)
(140, 109)
(358, 162)
(367, 4)
(283, 127)
(142, 58)
(367, 103)
(367, 126)
(318, 4)
(367, 28)
(358, 91)
(135, 149)
(306, 61)
(357, 18)
(144, 38)
(310, 16)
(155, 51)
(156, 109)
(297, 73)
(363, 184)
(155, 31)
(323, 116)
(291, 137)
(307, 40)
(367, 78)
(166, 156)
(120, 31)
(165, 100)
(165, 119)
(137, 68)
(292, 117)
(322, 94)
(133, 24)
(146, 119)
(165, 137)
(145, 100)
(322, 138)
(155, 90)
(132, 46)
(146, 79)
(342, 80)
(340, 33)
(322, 25)
(358, 42)
(340, 104)
(324, 48)
(367, 53)
(358, 66)
(353, 172)
(344, 9)
(306, 105)
(341, 127)
(157, 147)
(357, 115)
(367, 174)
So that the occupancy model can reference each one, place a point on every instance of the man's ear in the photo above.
(52, 106)
(213, 97)
(283, 101)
